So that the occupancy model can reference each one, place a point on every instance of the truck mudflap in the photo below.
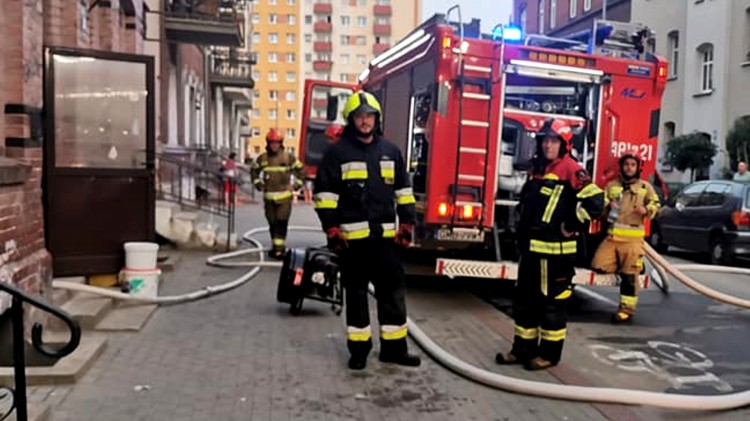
(509, 271)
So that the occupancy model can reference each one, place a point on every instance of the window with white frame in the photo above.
(256, 38)
(586, 5)
(273, 18)
(291, 76)
(523, 17)
(344, 58)
(361, 40)
(362, 3)
(272, 2)
(255, 132)
(706, 55)
(256, 113)
(290, 114)
(345, 40)
(273, 57)
(541, 16)
(273, 38)
(382, 40)
(343, 77)
(273, 77)
(291, 39)
(291, 57)
(291, 133)
(552, 14)
(291, 2)
(291, 19)
(673, 53)
(273, 114)
(291, 96)
(256, 93)
(573, 8)
(362, 21)
(383, 20)
(308, 57)
(345, 20)
(361, 59)
(256, 75)
(273, 94)
(256, 18)
(308, 37)
(308, 19)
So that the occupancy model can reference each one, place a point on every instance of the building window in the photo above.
(308, 57)
(273, 18)
(255, 132)
(256, 113)
(272, 2)
(273, 57)
(290, 115)
(308, 37)
(361, 40)
(706, 54)
(586, 5)
(573, 8)
(291, 76)
(273, 38)
(345, 20)
(291, 39)
(291, 19)
(308, 19)
(291, 96)
(746, 49)
(273, 76)
(291, 133)
(541, 16)
(256, 38)
(273, 94)
(669, 130)
(552, 14)
(256, 18)
(344, 77)
(362, 3)
(383, 2)
(291, 2)
(523, 17)
(291, 57)
(382, 40)
(345, 40)
(673, 51)
(273, 114)
(383, 20)
(361, 59)
(345, 59)
(256, 92)
(256, 75)
(362, 21)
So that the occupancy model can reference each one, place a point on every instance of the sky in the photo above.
(491, 12)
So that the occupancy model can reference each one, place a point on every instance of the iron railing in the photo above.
(18, 394)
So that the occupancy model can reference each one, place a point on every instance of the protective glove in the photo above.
(336, 240)
(258, 185)
(404, 235)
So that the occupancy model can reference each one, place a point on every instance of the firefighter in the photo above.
(271, 174)
(360, 188)
(557, 202)
(630, 201)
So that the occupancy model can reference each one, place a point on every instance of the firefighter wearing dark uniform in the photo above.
(271, 174)
(360, 187)
(556, 203)
(630, 201)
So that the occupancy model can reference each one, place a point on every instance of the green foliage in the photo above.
(691, 151)
(738, 141)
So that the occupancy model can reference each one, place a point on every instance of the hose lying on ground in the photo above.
(492, 379)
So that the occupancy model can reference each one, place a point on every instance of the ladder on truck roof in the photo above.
(472, 118)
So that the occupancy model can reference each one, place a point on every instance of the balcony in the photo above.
(320, 8)
(194, 22)
(322, 65)
(231, 68)
(380, 48)
(324, 27)
(379, 10)
(322, 47)
(381, 29)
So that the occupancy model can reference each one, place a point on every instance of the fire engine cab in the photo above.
(465, 107)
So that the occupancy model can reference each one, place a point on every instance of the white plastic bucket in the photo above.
(141, 283)
(141, 256)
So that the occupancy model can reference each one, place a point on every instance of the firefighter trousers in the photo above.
(374, 260)
(539, 309)
(277, 215)
(626, 259)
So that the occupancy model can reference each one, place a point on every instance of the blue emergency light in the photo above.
(508, 33)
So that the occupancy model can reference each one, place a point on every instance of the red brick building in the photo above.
(562, 17)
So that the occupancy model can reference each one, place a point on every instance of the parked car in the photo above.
(711, 216)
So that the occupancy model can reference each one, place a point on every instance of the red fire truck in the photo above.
(464, 109)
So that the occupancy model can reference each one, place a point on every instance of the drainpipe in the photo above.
(604, 10)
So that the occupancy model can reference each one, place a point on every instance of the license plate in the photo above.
(460, 234)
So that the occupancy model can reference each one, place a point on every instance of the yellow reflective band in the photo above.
(524, 333)
(551, 176)
(389, 230)
(325, 200)
(555, 248)
(614, 191)
(388, 169)
(297, 165)
(620, 230)
(553, 335)
(544, 273)
(392, 333)
(355, 231)
(276, 169)
(552, 204)
(277, 196)
(545, 191)
(356, 334)
(582, 214)
(589, 191)
(278, 242)
(354, 171)
(628, 301)
(564, 295)
(405, 196)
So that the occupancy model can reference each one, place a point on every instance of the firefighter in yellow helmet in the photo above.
(631, 201)
(272, 174)
(360, 188)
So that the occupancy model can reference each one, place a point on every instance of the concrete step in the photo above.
(87, 309)
(126, 317)
(183, 225)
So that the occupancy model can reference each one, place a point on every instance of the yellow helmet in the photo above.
(364, 100)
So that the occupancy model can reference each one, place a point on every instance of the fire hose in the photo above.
(488, 378)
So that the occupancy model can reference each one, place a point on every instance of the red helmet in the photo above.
(274, 135)
(554, 127)
(334, 132)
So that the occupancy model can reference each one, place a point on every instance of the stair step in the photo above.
(87, 309)
(128, 317)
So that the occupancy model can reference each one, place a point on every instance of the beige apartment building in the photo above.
(335, 39)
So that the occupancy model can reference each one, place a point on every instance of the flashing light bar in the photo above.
(508, 33)
(397, 48)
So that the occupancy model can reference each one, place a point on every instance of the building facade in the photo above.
(562, 17)
(707, 44)
(335, 40)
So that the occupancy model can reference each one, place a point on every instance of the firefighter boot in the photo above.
(394, 351)
(628, 299)
(537, 364)
(507, 358)
(359, 351)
